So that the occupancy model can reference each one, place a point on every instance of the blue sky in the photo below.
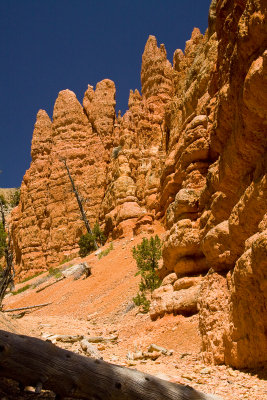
(50, 45)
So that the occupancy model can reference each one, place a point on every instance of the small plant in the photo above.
(106, 251)
(3, 200)
(99, 235)
(87, 244)
(66, 259)
(22, 289)
(88, 240)
(55, 272)
(15, 198)
(3, 243)
(141, 301)
(147, 255)
(31, 277)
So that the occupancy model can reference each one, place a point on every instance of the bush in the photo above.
(3, 243)
(87, 244)
(55, 272)
(22, 289)
(147, 255)
(3, 200)
(67, 259)
(106, 251)
(88, 240)
(32, 276)
(15, 198)
(98, 234)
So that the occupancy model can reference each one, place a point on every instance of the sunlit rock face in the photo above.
(213, 185)
(190, 151)
(46, 225)
(138, 155)
(99, 106)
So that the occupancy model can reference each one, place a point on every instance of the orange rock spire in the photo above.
(191, 151)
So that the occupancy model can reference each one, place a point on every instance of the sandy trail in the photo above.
(101, 305)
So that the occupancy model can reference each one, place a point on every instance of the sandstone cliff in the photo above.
(213, 185)
(190, 151)
(46, 224)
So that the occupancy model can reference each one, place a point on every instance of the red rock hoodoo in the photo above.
(190, 151)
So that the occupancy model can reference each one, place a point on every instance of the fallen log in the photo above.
(26, 308)
(34, 362)
(50, 284)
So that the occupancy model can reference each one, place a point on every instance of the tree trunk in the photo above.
(79, 201)
(41, 364)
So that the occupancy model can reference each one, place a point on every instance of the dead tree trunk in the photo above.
(41, 364)
(79, 201)
(9, 271)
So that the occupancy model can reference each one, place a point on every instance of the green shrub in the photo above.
(88, 240)
(106, 251)
(32, 276)
(147, 255)
(3, 200)
(87, 244)
(3, 243)
(55, 272)
(98, 234)
(15, 198)
(22, 289)
(142, 302)
(67, 259)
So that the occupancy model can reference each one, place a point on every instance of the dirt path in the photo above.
(101, 305)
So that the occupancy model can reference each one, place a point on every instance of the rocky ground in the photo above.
(101, 306)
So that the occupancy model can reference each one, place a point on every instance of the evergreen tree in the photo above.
(147, 255)
(3, 243)
(15, 198)
(88, 241)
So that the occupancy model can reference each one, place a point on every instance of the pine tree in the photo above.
(87, 242)
(147, 255)
(3, 243)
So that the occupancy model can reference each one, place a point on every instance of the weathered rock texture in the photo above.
(191, 151)
(134, 172)
(47, 223)
(213, 186)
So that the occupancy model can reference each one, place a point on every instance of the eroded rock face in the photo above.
(178, 297)
(213, 195)
(46, 225)
(135, 167)
(190, 151)
(99, 106)
(115, 163)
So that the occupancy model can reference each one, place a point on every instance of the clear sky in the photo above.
(50, 45)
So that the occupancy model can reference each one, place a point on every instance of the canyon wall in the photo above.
(191, 152)
(213, 193)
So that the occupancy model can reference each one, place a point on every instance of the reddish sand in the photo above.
(102, 305)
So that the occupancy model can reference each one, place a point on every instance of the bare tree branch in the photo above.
(79, 201)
